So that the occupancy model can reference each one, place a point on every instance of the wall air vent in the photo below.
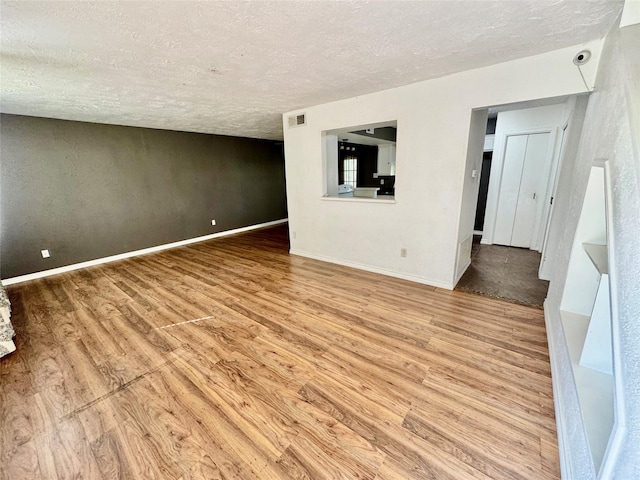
(297, 120)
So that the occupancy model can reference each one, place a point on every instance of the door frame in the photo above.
(562, 139)
(495, 184)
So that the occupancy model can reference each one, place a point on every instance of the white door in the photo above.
(522, 190)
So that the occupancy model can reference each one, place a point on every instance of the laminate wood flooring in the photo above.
(231, 359)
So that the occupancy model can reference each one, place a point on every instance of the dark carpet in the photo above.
(508, 273)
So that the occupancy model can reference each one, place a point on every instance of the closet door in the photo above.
(524, 174)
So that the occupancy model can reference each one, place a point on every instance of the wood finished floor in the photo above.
(298, 369)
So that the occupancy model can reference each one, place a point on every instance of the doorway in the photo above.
(483, 191)
(519, 165)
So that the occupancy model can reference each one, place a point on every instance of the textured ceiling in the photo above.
(234, 67)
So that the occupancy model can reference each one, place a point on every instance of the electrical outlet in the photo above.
(45, 253)
(294, 235)
(403, 252)
(213, 222)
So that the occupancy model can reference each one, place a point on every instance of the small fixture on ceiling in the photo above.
(582, 57)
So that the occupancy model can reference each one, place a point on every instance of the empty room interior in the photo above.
(319, 239)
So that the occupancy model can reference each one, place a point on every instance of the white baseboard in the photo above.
(135, 253)
(368, 268)
(566, 470)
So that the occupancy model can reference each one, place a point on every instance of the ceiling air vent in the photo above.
(297, 120)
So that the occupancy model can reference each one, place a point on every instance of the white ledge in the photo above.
(387, 199)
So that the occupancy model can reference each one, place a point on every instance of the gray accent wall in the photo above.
(86, 191)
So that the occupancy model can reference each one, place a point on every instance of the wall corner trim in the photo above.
(461, 273)
(135, 253)
(566, 468)
(367, 268)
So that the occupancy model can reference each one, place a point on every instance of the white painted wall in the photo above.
(330, 164)
(471, 185)
(434, 119)
(538, 119)
(608, 132)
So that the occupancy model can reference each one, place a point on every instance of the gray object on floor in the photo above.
(6, 329)
(508, 273)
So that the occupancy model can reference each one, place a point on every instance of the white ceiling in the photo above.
(234, 67)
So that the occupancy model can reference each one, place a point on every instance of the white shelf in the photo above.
(598, 255)
(597, 350)
(595, 389)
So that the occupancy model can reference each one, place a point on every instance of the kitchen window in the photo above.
(350, 171)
